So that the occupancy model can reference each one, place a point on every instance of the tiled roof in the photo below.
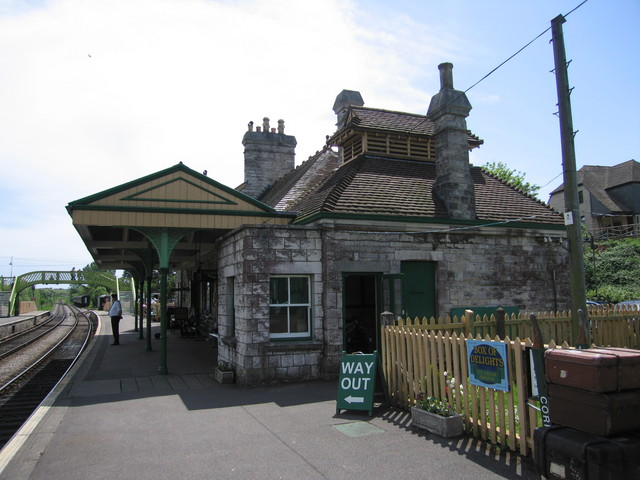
(394, 122)
(601, 182)
(372, 185)
(389, 120)
(497, 201)
(301, 181)
(623, 173)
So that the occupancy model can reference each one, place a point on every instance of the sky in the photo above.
(96, 93)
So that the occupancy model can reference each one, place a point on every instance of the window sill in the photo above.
(294, 346)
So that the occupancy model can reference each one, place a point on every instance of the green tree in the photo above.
(511, 177)
(92, 291)
(155, 281)
(612, 269)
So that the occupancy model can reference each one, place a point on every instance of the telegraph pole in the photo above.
(572, 218)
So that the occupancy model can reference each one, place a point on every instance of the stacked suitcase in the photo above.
(594, 404)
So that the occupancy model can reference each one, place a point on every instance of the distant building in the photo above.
(609, 199)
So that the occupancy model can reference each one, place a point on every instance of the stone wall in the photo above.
(503, 266)
(498, 267)
(248, 259)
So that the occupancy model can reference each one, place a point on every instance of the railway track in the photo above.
(13, 343)
(31, 365)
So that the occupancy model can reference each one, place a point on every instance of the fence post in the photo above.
(386, 319)
(584, 339)
(467, 323)
(500, 326)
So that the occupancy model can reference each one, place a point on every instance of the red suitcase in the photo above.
(603, 414)
(595, 369)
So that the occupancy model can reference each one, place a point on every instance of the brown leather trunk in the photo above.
(603, 414)
(596, 370)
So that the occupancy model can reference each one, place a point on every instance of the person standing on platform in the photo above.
(115, 312)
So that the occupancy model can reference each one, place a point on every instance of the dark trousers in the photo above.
(115, 328)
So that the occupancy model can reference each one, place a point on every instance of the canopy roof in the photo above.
(120, 226)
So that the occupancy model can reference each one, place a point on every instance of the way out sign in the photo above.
(356, 384)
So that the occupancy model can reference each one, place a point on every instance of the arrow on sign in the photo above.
(351, 399)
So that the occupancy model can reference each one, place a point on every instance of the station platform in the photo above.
(21, 317)
(114, 417)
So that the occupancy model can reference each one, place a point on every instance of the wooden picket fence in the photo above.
(423, 356)
(609, 326)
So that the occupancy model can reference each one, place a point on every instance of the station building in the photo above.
(295, 265)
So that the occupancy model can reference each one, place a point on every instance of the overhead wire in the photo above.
(498, 67)
(493, 71)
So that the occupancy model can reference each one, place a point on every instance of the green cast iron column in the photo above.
(162, 370)
(140, 309)
(164, 239)
(149, 311)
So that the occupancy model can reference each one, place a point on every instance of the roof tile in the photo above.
(372, 185)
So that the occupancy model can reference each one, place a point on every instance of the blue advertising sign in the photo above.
(488, 364)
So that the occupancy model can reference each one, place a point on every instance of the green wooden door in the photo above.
(419, 289)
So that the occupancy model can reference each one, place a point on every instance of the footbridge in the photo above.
(22, 282)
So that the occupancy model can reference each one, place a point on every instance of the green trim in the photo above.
(199, 211)
(134, 198)
(410, 219)
(180, 167)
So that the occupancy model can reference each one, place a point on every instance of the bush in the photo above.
(612, 269)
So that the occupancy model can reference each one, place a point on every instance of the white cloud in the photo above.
(129, 86)
(97, 93)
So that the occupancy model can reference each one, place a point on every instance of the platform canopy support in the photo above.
(164, 240)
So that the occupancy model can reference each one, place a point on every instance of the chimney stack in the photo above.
(448, 110)
(268, 155)
(344, 100)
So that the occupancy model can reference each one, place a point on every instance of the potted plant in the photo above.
(436, 416)
(224, 372)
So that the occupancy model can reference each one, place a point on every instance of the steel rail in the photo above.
(50, 352)
(31, 330)
(52, 315)
(13, 336)
(87, 339)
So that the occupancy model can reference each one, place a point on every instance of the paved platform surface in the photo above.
(116, 418)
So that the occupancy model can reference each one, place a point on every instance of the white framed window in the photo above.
(289, 306)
